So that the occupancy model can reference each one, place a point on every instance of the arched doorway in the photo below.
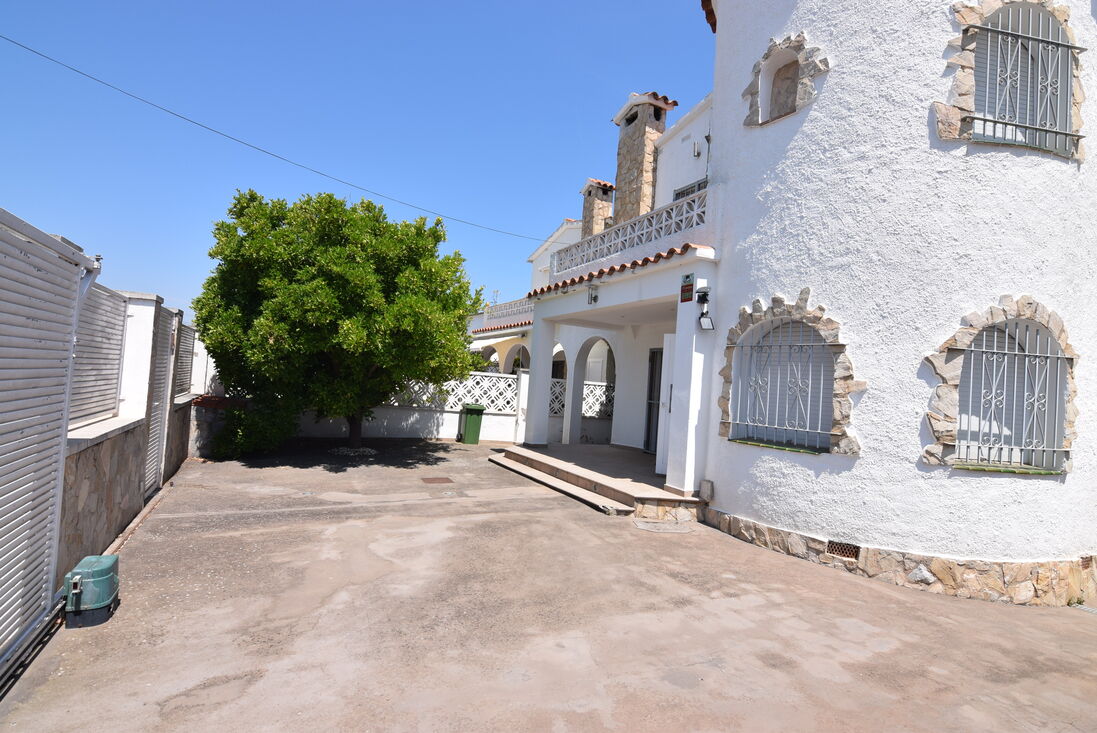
(590, 393)
(491, 359)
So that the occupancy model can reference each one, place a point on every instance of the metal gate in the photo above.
(160, 398)
(41, 282)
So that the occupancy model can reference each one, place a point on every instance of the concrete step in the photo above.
(601, 503)
(645, 501)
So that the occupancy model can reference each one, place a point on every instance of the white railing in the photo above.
(513, 311)
(677, 217)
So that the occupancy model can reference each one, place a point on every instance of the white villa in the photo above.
(846, 301)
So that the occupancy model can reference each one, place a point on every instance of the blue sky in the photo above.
(493, 111)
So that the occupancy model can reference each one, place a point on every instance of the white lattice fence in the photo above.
(557, 392)
(496, 392)
(597, 399)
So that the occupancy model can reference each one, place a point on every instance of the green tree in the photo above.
(324, 305)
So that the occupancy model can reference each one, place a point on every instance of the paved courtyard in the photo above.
(322, 593)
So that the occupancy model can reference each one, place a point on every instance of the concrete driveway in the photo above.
(323, 595)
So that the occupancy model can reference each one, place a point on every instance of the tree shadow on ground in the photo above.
(318, 453)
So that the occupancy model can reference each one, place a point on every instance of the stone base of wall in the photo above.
(669, 511)
(102, 494)
(177, 441)
(1053, 583)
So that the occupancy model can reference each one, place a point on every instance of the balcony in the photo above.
(644, 235)
(503, 314)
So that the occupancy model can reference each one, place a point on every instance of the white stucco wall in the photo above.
(678, 165)
(566, 234)
(899, 235)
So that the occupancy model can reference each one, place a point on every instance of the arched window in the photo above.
(1012, 398)
(783, 386)
(1024, 75)
(784, 80)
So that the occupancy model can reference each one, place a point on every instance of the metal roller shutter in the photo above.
(184, 360)
(40, 285)
(97, 368)
(160, 402)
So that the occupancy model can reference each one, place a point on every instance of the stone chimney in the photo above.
(642, 120)
(597, 206)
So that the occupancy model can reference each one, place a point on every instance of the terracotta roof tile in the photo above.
(661, 99)
(710, 14)
(613, 269)
(500, 328)
(600, 183)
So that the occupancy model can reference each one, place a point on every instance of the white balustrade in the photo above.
(680, 216)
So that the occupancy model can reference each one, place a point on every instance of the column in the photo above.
(542, 339)
(686, 442)
(573, 397)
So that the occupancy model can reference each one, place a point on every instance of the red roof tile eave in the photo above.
(607, 271)
(710, 14)
(503, 326)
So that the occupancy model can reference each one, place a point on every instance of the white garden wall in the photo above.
(410, 422)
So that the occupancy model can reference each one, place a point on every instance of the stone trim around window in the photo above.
(842, 440)
(951, 124)
(812, 64)
(948, 364)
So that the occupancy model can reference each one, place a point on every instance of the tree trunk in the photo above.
(354, 424)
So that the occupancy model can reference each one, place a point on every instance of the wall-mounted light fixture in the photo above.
(592, 294)
(705, 320)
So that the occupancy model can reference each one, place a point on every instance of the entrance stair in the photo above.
(614, 495)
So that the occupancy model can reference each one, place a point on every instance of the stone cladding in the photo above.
(1045, 583)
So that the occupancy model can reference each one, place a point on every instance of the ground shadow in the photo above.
(389, 452)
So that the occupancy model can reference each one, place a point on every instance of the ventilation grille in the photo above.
(843, 549)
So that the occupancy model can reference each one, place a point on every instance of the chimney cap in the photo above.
(597, 183)
(652, 98)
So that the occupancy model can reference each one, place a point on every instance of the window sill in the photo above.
(780, 446)
(1008, 469)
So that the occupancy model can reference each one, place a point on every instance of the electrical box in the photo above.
(91, 591)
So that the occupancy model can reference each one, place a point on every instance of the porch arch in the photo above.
(516, 356)
(579, 392)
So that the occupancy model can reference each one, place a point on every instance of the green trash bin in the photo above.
(471, 418)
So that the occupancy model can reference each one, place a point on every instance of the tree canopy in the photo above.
(328, 306)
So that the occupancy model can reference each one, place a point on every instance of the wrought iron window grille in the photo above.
(783, 387)
(1024, 78)
(1012, 398)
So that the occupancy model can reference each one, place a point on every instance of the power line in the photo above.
(262, 150)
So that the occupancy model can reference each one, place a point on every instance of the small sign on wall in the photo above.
(686, 293)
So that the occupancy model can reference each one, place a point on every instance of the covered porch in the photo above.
(661, 362)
